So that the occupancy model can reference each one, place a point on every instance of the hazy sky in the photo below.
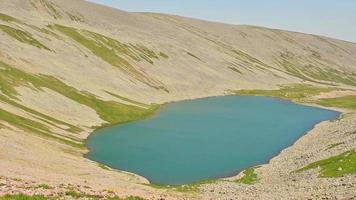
(334, 18)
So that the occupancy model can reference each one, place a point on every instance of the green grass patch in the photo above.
(102, 166)
(292, 92)
(249, 178)
(348, 102)
(44, 186)
(23, 197)
(192, 187)
(22, 36)
(336, 166)
(134, 198)
(78, 195)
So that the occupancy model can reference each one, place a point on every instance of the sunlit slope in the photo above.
(112, 66)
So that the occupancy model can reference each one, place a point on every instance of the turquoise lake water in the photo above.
(195, 140)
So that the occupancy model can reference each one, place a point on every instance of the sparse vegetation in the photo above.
(128, 100)
(192, 187)
(10, 19)
(249, 178)
(333, 145)
(102, 166)
(24, 197)
(335, 166)
(163, 55)
(293, 92)
(51, 9)
(194, 56)
(44, 186)
(71, 193)
(75, 17)
(348, 102)
(22, 36)
(31, 126)
(113, 51)
(312, 73)
(7, 18)
(110, 111)
(105, 47)
(235, 70)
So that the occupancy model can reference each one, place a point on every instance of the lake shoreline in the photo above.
(234, 174)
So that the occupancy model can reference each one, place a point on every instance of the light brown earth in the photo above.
(202, 59)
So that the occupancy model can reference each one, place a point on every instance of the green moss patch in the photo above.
(249, 178)
(336, 166)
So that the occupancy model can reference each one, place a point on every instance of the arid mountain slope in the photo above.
(69, 66)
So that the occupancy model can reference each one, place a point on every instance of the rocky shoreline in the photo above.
(277, 179)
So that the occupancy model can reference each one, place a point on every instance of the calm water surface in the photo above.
(207, 138)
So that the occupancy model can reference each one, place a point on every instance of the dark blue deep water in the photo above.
(207, 138)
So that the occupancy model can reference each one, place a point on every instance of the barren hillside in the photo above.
(70, 66)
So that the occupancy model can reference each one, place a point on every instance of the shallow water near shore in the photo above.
(207, 138)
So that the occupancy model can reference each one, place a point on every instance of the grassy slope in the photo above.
(335, 166)
(110, 111)
(317, 71)
(22, 36)
(113, 51)
(292, 92)
(348, 102)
